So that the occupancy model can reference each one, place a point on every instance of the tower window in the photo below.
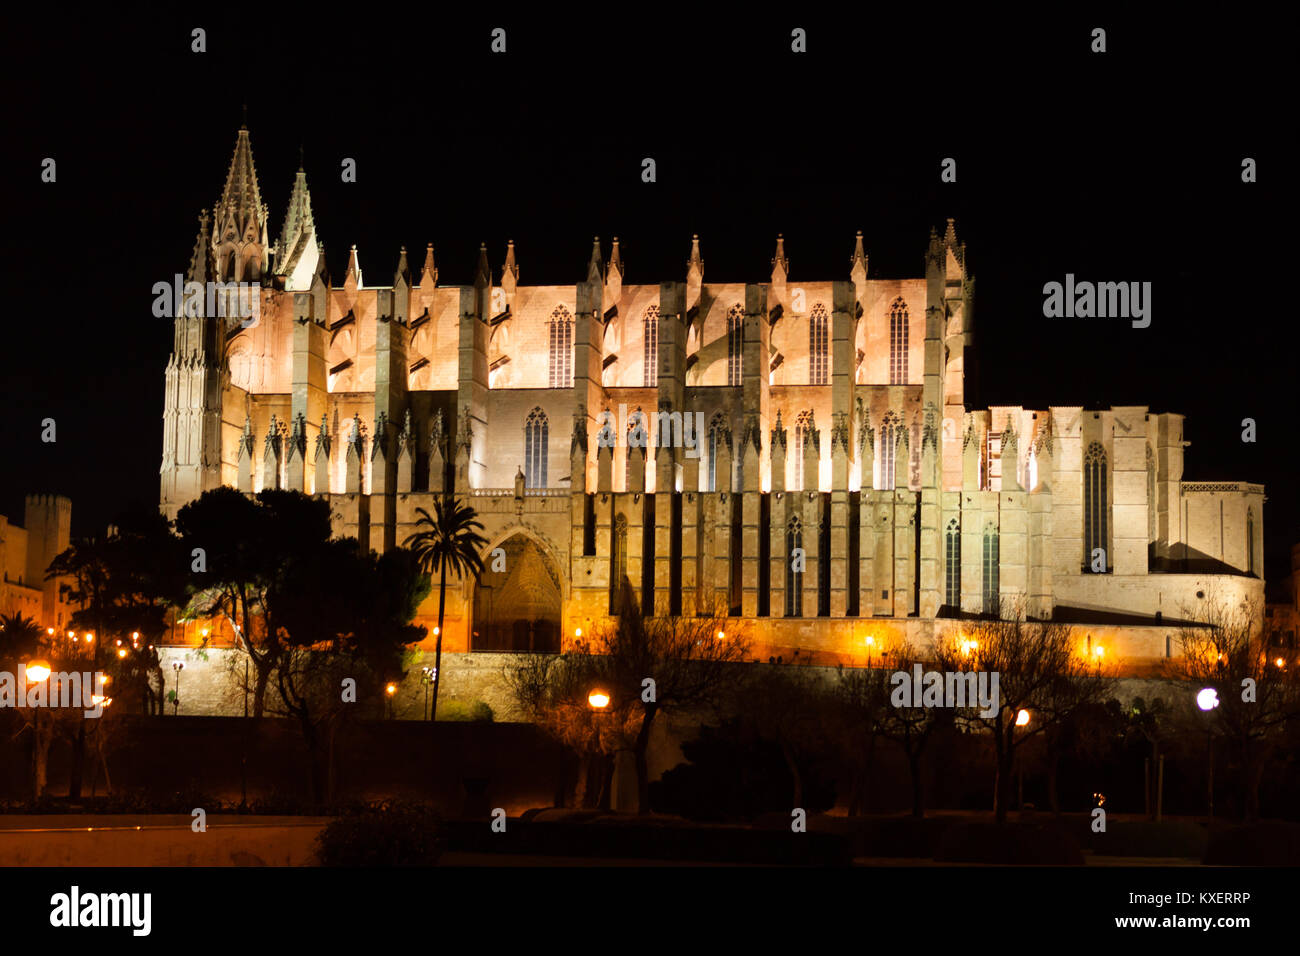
(561, 348)
(888, 449)
(793, 578)
(952, 570)
(817, 345)
(618, 563)
(735, 344)
(1250, 541)
(802, 426)
(991, 604)
(650, 332)
(1095, 504)
(536, 431)
(898, 342)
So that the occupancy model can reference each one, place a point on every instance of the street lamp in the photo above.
(598, 699)
(1207, 698)
(430, 675)
(390, 690)
(177, 666)
(1022, 718)
(38, 671)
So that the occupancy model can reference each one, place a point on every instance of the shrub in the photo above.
(457, 710)
(388, 836)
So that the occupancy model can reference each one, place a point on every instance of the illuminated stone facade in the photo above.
(839, 484)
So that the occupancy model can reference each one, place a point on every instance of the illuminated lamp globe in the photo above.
(1207, 698)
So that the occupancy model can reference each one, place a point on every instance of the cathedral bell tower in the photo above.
(231, 247)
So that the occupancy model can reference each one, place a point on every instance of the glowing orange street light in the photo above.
(1280, 662)
(722, 635)
(391, 689)
(121, 652)
(49, 631)
(90, 637)
(1098, 651)
(437, 631)
(1022, 718)
(577, 632)
(37, 671)
(598, 699)
(968, 646)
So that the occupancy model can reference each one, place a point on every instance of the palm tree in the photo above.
(19, 636)
(451, 542)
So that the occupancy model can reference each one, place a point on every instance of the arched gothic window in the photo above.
(1250, 541)
(650, 332)
(817, 346)
(802, 426)
(617, 563)
(898, 342)
(536, 432)
(735, 344)
(888, 451)
(1095, 504)
(561, 348)
(716, 439)
(952, 570)
(991, 605)
(793, 578)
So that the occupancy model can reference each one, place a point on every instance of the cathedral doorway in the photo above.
(518, 609)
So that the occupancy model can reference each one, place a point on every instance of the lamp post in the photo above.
(37, 671)
(430, 674)
(177, 666)
(390, 690)
(1207, 699)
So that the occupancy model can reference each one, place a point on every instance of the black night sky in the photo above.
(1122, 167)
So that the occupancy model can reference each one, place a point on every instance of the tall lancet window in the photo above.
(1094, 510)
(952, 569)
(650, 324)
(818, 359)
(802, 426)
(793, 578)
(561, 336)
(716, 439)
(898, 342)
(536, 433)
(618, 563)
(1250, 541)
(888, 448)
(991, 605)
(735, 344)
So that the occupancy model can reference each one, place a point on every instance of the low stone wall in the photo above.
(157, 841)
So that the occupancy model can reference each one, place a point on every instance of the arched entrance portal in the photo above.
(518, 608)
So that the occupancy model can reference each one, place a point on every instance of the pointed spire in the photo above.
(595, 268)
(858, 269)
(615, 261)
(241, 196)
(510, 273)
(297, 250)
(780, 264)
(429, 272)
(695, 261)
(403, 274)
(201, 257)
(354, 269)
(483, 275)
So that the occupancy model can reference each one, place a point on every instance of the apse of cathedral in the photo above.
(797, 452)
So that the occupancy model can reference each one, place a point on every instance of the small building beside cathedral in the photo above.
(800, 454)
